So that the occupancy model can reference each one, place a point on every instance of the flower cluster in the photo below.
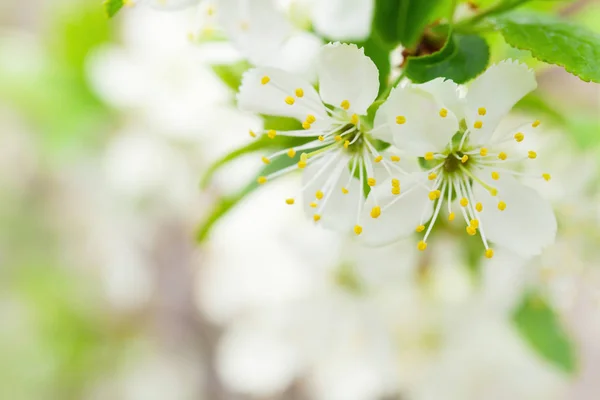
(351, 182)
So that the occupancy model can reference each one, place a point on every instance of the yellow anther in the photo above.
(495, 175)
(301, 164)
(400, 119)
(395, 182)
(289, 201)
(266, 160)
(306, 125)
(493, 191)
(291, 153)
(395, 158)
(479, 207)
(251, 133)
(451, 216)
(489, 253)
(477, 124)
(443, 113)
(536, 123)
(290, 100)
(531, 154)
(378, 158)
(354, 119)
(357, 229)
(299, 92)
(464, 202)
(319, 194)
(344, 190)
(502, 155)
(322, 138)
(432, 176)
(501, 206)
(271, 134)
(519, 136)
(375, 212)
(395, 191)
(475, 223)
(371, 182)
(464, 159)
(420, 228)
(471, 231)
(345, 104)
(262, 180)
(481, 111)
(337, 138)
(310, 118)
(313, 205)
(265, 79)
(434, 195)
(316, 217)
(421, 245)
(483, 152)
(429, 156)
(546, 177)
(346, 144)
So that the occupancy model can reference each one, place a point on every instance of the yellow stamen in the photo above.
(290, 100)
(371, 182)
(443, 113)
(310, 118)
(502, 155)
(271, 134)
(291, 153)
(316, 217)
(313, 205)
(532, 154)
(464, 159)
(375, 212)
(420, 228)
(319, 194)
(400, 119)
(432, 176)
(489, 253)
(322, 138)
(395, 191)
(306, 125)
(464, 202)
(289, 201)
(345, 104)
(252, 134)
(493, 191)
(483, 152)
(395, 158)
(501, 206)
(475, 223)
(338, 138)
(357, 229)
(354, 119)
(344, 190)
(481, 111)
(536, 123)
(262, 180)
(299, 92)
(265, 79)
(479, 207)
(421, 245)
(378, 158)
(429, 156)
(471, 231)
(495, 175)
(301, 164)
(478, 125)
(395, 182)
(434, 195)
(266, 160)
(346, 144)
(519, 136)
(451, 216)
(546, 177)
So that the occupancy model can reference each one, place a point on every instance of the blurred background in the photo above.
(106, 128)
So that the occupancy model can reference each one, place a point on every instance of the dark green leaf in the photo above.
(462, 58)
(541, 328)
(231, 74)
(554, 41)
(111, 7)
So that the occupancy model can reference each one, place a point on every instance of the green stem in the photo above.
(388, 90)
(501, 7)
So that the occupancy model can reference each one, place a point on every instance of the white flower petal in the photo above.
(526, 226)
(343, 19)
(264, 91)
(298, 55)
(494, 94)
(257, 28)
(401, 218)
(347, 74)
(416, 122)
(341, 210)
(446, 92)
(170, 4)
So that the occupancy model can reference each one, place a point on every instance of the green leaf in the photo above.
(541, 328)
(231, 74)
(554, 41)
(403, 21)
(111, 7)
(462, 58)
